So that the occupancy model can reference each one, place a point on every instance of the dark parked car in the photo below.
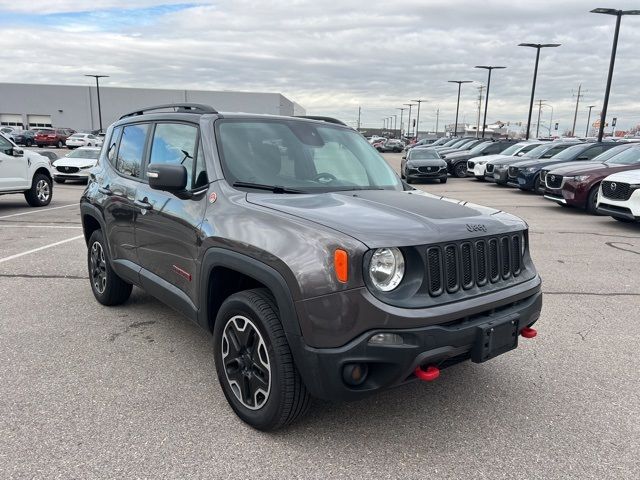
(430, 142)
(24, 137)
(457, 161)
(317, 270)
(497, 170)
(578, 185)
(390, 145)
(423, 164)
(53, 138)
(525, 174)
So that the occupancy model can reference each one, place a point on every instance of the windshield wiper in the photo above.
(270, 188)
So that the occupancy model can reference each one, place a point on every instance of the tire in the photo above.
(59, 180)
(443, 180)
(592, 199)
(409, 180)
(40, 145)
(41, 191)
(460, 170)
(108, 288)
(252, 318)
(59, 144)
(536, 184)
(29, 143)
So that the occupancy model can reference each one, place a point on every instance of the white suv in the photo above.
(25, 172)
(619, 196)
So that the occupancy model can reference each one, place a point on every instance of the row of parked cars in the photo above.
(600, 177)
(52, 137)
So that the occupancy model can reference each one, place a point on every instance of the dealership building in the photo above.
(75, 106)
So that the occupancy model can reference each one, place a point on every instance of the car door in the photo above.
(14, 170)
(168, 225)
(127, 149)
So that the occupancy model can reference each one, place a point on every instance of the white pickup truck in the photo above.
(25, 172)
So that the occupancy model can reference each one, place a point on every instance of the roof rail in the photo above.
(323, 119)
(177, 107)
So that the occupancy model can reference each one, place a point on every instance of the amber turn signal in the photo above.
(341, 265)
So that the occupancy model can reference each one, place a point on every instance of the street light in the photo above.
(418, 117)
(537, 46)
(401, 113)
(409, 118)
(588, 120)
(618, 14)
(98, 77)
(459, 82)
(486, 100)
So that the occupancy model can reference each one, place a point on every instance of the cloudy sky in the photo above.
(334, 56)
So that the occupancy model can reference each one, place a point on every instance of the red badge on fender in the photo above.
(212, 197)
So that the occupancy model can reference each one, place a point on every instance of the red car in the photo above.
(53, 138)
(577, 185)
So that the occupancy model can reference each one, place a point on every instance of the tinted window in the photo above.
(175, 143)
(629, 156)
(113, 145)
(423, 154)
(131, 149)
(592, 153)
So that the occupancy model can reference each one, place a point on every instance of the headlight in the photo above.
(530, 169)
(86, 166)
(386, 268)
(481, 162)
(581, 178)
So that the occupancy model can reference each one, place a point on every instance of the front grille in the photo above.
(616, 190)
(554, 181)
(428, 169)
(513, 172)
(68, 169)
(489, 168)
(466, 264)
(470, 164)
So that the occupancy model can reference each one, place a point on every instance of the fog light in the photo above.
(386, 339)
(355, 373)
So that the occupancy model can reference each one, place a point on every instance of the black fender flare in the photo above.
(251, 267)
(86, 209)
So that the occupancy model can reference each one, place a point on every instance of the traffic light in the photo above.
(613, 122)
(556, 127)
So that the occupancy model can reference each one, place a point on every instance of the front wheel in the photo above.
(60, 144)
(41, 191)
(254, 364)
(108, 288)
(460, 170)
(592, 200)
(29, 143)
(443, 180)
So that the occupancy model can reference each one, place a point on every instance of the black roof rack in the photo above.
(177, 107)
(323, 119)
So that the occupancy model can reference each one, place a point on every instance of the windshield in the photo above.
(569, 153)
(628, 156)
(540, 150)
(304, 156)
(612, 152)
(82, 153)
(480, 147)
(513, 149)
(423, 154)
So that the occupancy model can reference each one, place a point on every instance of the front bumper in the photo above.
(626, 209)
(441, 345)
(499, 175)
(478, 170)
(570, 193)
(524, 181)
(415, 173)
(71, 176)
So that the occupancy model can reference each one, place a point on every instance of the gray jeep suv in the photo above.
(317, 270)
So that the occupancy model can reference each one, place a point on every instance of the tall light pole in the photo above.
(401, 113)
(575, 116)
(98, 77)
(395, 123)
(537, 46)
(419, 101)
(618, 14)
(409, 117)
(539, 112)
(486, 100)
(459, 82)
(588, 120)
(359, 113)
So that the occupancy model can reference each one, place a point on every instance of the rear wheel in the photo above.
(592, 200)
(460, 170)
(108, 288)
(254, 364)
(41, 191)
(59, 144)
(443, 180)
(29, 142)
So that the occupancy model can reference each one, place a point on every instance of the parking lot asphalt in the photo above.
(88, 391)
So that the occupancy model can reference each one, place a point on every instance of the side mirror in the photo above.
(14, 152)
(170, 178)
(404, 157)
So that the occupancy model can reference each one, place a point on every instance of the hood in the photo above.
(583, 168)
(574, 165)
(458, 154)
(489, 158)
(431, 162)
(74, 162)
(630, 176)
(505, 160)
(384, 218)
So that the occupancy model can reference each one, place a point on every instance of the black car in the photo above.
(457, 161)
(391, 145)
(423, 164)
(316, 269)
(525, 174)
(24, 137)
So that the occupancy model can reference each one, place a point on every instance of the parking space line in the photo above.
(38, 210)
(18, 255)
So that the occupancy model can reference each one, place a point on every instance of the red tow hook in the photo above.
(528, 332)
(428, 375)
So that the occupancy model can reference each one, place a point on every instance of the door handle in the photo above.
(143, 204)
(105, 190)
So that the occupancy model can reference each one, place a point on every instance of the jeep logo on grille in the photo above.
(613, 186)
(476, 228)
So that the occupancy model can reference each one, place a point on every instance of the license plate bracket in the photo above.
(494, 338)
